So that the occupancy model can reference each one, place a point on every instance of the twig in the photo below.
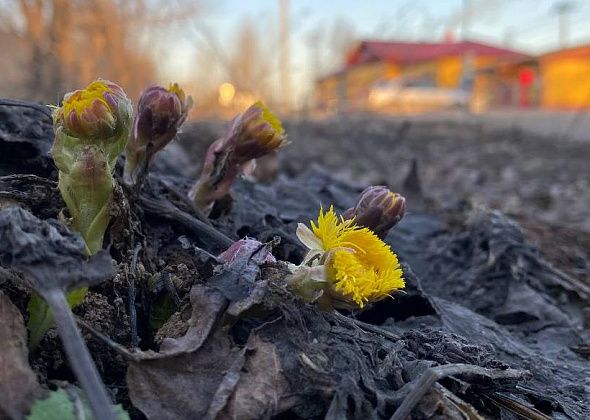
(170, 288)
(131, 298)
(516, 407)
(28, 178)
(79, 356)
(22, 104)
(566, 281)
(122, 350)
(208, 235)
(432, 375)
(467, 410)
(368, 327)
(186, 201)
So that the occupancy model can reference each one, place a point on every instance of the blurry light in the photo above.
(226, 94)
(243, 100)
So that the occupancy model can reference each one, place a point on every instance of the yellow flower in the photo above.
(359, 266)
(260, 132)
(93, 112)
(185, 102)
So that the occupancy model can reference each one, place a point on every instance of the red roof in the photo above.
(413, 52)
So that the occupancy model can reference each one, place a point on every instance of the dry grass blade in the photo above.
(516, 407)
(432, 375)
(467, 410)
(209, 236)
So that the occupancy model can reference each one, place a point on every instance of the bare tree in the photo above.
(71, 42)
(328, 46)
(251, 64)
(341, 37)
(32, 12)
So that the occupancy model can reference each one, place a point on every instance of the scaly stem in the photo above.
(79, 356)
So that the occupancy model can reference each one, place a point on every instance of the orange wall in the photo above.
(449, 71)
(565, 82)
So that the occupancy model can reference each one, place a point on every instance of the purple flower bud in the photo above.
(160, 113)
(378, 209)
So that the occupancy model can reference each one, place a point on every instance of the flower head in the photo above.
(257, 132)
(160, 113)
(251, 135)
(97, 111)
(358, 266)
(378, 209)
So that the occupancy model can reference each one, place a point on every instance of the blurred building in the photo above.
(555, 80)
(382, 76)
(507, 83)
(565, 78)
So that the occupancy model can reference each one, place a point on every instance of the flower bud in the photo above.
(94, 112)
(378, 209)
(259, 132)
(160, 114)
(251, 135)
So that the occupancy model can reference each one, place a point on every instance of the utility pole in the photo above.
(285, 88)
(465, 14)
(508, 38)
(563, 9)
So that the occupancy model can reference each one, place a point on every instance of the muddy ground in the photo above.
(542, 182)
(493, 324)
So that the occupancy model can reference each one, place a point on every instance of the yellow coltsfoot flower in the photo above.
(98, 111)
(91, 129)
(346, 263)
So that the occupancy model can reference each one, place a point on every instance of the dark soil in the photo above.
(491, 325)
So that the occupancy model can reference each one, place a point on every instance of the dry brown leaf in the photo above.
(262, 387)
(18, 384)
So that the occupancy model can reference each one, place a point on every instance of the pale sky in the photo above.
(526, 25)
